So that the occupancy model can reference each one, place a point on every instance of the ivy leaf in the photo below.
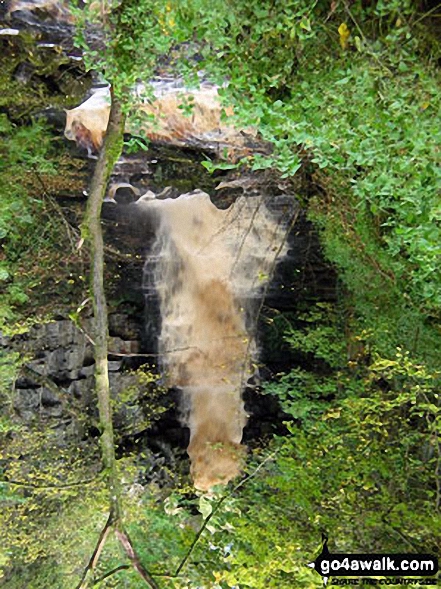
(4, 274)
(305, 24)
(205, 507)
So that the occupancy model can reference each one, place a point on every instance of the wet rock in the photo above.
(62, 366)
(123, 193)
(26, 403)
(40, 401)
(24, 73)
(114, 365)
(5, 340)
(119, 346)
(65, 363)
(49, 398)
(32, 10)
(124, 327)
(128, 413)
(51, 336)
(87, 371)
(25, 383)
(9, 32)
(83, 390)
(38, 366)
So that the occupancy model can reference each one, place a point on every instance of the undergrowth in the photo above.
(38, 258)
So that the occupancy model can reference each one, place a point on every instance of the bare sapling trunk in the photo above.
(92, 232)
(92, 235)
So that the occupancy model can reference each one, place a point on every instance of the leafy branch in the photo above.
(215, 509)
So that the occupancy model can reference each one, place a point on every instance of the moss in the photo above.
(33, 78)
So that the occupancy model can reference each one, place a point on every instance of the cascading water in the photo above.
(210, 269)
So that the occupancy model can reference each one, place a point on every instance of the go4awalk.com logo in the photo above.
(337, 564)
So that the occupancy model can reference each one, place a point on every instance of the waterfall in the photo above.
(210, 269)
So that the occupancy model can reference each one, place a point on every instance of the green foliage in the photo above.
(133, 45)
(18, 208)
(38, 466)
(367, 119)
(18, 153)
(352, 107)
(358, 117)
(360, 461)
(33, 231)
(25, 70)
(134, 144)
(385, 193)
(10, 363)
(364, 438)
(319, 336)
(142, 399)
(356, 107)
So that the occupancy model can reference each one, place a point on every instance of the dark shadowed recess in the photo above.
(301, 278)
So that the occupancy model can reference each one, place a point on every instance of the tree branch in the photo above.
(92, 234)
(216, 509)
(46, 382)
(121, 567)
(88, 571)
(126, 543)
(42, 487)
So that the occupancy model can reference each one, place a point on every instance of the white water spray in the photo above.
(211, 267)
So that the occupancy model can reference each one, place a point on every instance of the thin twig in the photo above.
(400, 534)
(172, 351)
(126, 543)
(43, 487)
(121, 567)
(84, 332)
(49, 384)
(115, 254)
(357, 26)
(396, 530)
(426, 14)
(96, 553)
(363, 36)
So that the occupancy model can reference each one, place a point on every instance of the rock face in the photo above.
(57, 382)
(62, 366)
(57, 10)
